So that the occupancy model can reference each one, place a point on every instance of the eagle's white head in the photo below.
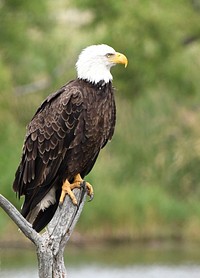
(95, 61)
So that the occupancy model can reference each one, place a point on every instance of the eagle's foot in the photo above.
(67, 188)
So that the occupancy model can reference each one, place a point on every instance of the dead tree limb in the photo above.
(51, 244)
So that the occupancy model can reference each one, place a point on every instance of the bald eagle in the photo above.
(66, 134)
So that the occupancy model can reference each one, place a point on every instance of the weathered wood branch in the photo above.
(19, 220)
(51, 244)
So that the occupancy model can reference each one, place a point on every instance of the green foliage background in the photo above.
(147, 181)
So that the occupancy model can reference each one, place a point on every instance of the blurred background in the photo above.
(147, 181)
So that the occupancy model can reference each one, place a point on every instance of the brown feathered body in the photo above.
(63, 139)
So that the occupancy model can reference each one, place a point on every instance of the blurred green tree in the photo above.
(154, 158)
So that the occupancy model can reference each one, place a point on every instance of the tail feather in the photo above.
(44, 211)
(44, 217)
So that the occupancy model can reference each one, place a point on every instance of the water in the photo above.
(88, 271)
(121, 261)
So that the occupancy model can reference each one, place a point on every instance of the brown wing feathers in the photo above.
(63, 138)
(49, 135)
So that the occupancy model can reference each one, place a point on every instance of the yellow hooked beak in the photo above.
(119, 58)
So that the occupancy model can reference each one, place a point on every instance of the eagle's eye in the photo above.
(108, 55)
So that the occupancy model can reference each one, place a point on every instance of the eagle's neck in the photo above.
(100, 86)
(93, 72)
(95, 75)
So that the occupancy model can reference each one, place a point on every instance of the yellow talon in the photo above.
(67, 188)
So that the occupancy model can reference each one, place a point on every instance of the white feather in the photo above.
(48, 200)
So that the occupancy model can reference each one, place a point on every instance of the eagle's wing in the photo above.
(50, 134)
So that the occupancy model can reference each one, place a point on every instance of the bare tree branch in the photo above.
(19, 220)
(51, 244)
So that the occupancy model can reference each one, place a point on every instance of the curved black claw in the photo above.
(91, 197)
(87, 187)
(60, 204)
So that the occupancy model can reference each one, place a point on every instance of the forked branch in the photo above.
(50, 245)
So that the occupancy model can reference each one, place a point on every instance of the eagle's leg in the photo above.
(67, 188)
